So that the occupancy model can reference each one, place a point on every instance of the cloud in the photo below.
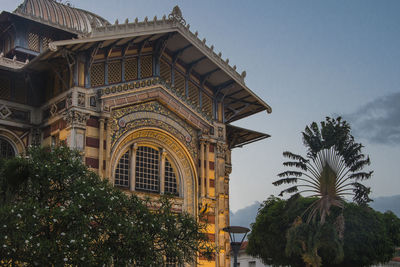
(378, 121)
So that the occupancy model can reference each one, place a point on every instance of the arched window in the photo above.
(6, 149)
(147, 169)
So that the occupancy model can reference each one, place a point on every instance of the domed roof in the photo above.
(60, 15)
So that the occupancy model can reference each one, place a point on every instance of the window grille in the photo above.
(170, 186)
(147, 170)
(146, 66)
(97, 74)
(5, 88)
(122, 171)
(45, 42)
(6, 149)
(33, 41)
(114, 72)
(20, 90)
(207, 106)
(165, 71)
(131, 69)
(193, 94)
(179, 83)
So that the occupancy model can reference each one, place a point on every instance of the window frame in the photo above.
(164, 155)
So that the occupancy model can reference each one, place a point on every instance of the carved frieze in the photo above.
(75, 118)
(152, 114)
(221, 150)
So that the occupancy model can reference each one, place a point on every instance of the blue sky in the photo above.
(307, 59)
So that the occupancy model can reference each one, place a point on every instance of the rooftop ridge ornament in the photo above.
(176, 14)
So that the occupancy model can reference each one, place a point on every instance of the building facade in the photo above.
(148, 103)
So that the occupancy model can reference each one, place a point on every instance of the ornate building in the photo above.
(148, 103)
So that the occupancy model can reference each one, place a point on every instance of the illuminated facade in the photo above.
(148, 103)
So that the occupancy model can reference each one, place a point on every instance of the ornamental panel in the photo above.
(207, 106)
(114, 72)
(165, 71)
(33, 41)
(5, 87)
(179, 82)
(97, 74)
(146, 66)
(193, 94)
(131, 69)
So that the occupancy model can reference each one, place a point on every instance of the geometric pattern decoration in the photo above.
(33, 42)
(122, 171)
(114, 72)
(193, 94)
(131, 69)
(206, 104)
(97, 74)
(170, 186)
(146, 66)
(179, 83)
(5, 87)
(4, 112)
(165, 71)
(147, 169)
(6, 149)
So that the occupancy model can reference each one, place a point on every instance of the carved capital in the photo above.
(76, 118)
(228, 169)
(221, 150)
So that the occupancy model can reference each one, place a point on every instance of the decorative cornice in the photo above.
(109, 91)
(11, 63)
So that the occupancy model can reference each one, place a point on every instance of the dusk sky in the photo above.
(307, 60)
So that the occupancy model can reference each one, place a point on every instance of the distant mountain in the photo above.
(246, 216)
(383, 204)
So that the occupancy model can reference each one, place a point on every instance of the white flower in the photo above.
(63, 234)
(4, 246)
(5, 237)
(54, 220)
(26, 241)
(5, 226)
(19, 215)
(65, 259)
(38, 244)
(72, 241)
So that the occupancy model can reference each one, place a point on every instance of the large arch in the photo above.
(179, 153)
(14, 140)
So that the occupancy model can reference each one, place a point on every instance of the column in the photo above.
(202, 193)
(132, 167)
(108, 150)
(101, 147)
(162, 171)
(207, 169)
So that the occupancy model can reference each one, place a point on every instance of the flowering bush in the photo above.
(54, 211)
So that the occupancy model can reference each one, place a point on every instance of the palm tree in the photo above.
(331, 170)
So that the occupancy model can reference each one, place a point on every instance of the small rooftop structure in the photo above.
(60, 15)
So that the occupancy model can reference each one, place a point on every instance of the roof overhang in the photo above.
(185, 48)
(238, 137)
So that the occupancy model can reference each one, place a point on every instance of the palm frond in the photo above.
(361, 175)
(296, 164)
(288, 154)
(289, 190)
(290, 180)
(290, 173)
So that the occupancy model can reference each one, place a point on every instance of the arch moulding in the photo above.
(179, 153)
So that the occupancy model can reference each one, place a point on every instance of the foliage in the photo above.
(332, 168)
(267, 239)
(55, 212)
(279, 237)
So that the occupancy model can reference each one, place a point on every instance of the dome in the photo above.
(60, 15)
